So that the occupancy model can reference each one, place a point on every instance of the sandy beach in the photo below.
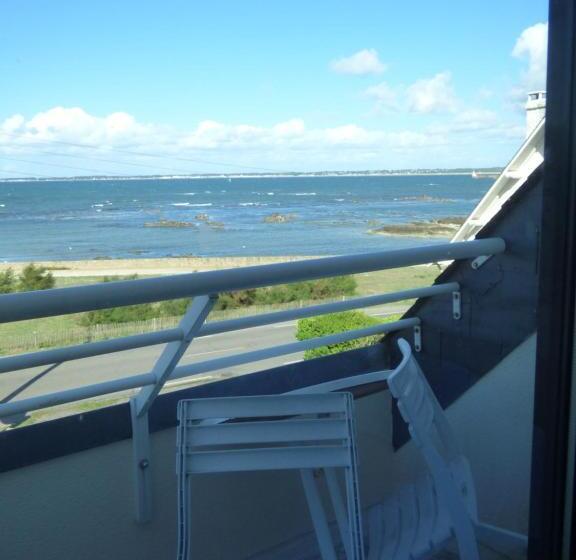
(146, 267)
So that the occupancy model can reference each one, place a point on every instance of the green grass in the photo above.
(371, 283)
(382, 281)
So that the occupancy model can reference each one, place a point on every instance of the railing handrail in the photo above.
(148, 379)
(120, 344)
(62, 301)
(204, 288)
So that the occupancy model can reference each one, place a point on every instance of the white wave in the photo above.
(97, 205)
(2, 205)
(189, 204)
(252, 204)
(304, 193)
(270, 194)
(339, 199)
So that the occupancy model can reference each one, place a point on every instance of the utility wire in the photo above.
(117, 162)
(26, 174)
(97, 171)
(123, 151)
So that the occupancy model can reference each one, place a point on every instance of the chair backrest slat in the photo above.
(263, 406)
(266, 432)
(277, 431)
(265, 459)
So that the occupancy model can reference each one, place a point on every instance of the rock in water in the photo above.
(277, 218)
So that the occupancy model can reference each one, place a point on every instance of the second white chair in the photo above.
(422, 517)
(303, 432)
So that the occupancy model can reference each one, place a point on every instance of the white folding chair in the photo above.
(422, 517)
(303, 432)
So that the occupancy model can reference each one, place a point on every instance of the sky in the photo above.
(176, 86)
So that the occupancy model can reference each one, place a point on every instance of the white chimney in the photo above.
(535, 110)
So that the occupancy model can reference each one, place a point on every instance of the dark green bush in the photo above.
(126, 314)
(35, 277)
(337, 323)
(7, 282)
(233, 300)
(299, 291)
(310, 290)
(173, 307)
(288, 293)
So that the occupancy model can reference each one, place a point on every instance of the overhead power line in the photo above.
(78, 168)
(25, 174)
(140, 154)
(116, 162)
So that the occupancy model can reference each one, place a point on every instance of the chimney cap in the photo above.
(536, 95)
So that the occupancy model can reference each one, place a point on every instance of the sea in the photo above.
(223, 216)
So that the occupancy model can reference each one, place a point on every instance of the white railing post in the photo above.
(190, 326)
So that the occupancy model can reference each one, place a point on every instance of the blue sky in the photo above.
(274, 85)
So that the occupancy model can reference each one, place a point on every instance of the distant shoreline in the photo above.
(415, 173)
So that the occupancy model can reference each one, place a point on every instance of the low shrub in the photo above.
(336, 323)
(35, 277)
(288, 293)
(31, 278)
(7, 282)
(126, 314)
(299, 291)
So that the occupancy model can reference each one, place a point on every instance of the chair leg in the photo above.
(183, 519)
(466, 539)
(339, 509)
(502, 540)
(318, 515)
(355, 527)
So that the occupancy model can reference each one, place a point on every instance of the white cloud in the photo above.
(291, 128)
(425, 96)
(385, 96)
(75, 124)
(432, 95)
(285, 145)
(13, 123)
(532, 45)
(348, 135)
(361, 63)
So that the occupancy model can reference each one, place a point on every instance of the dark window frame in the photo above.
(556, 297)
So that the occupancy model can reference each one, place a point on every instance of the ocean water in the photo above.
(48, 220)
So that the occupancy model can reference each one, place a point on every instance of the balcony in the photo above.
(102, 484)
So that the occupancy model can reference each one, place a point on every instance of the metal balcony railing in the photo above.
(204, 288)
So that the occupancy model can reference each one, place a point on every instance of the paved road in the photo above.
(47, 379)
